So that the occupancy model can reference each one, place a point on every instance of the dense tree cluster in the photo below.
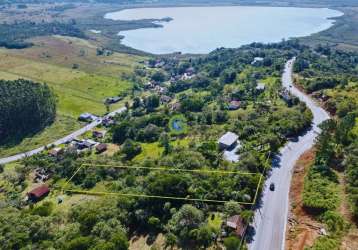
(25, 107)
(13, 36)
(324, 68)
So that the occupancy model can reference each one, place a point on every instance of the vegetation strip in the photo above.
(175, 169)
(152, 196)
(158, 196)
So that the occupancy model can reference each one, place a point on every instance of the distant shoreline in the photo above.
(157, 20)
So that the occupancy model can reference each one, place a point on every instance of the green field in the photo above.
(77, 90)
(61, 127)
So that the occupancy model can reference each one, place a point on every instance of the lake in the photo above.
(203, 29)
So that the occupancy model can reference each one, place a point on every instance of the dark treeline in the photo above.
(13, 36)
(25, 107)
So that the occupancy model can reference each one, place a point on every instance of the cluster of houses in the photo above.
(87, 145)
(157, 63)
(187, 75)
(155, 87)
(75, 145)
(81, 145)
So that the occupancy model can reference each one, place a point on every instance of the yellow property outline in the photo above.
(200, 171)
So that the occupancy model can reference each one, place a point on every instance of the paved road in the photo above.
(270, 220)
(62, 140)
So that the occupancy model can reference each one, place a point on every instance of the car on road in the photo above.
(272, 186)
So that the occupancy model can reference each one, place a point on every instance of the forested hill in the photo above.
(25, 107)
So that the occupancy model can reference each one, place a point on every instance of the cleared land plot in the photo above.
(197, 173)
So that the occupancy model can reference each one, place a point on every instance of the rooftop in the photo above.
(228, 139)
(39, 191)
(260, 86)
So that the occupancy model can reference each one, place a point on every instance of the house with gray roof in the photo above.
(228, 140)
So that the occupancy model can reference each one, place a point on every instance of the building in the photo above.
(108, 121)
(38, 193)
(85, 117)
(83, 144)
(88, 143)
(175, 106)
(257, 60)
(98, 134)
(260, 86)
(234, 105)
(112, 100)
(55, 152)
(228, 140)
(237, 224)
(100, 148)
(165, 99)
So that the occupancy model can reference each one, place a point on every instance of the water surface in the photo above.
(203, 29)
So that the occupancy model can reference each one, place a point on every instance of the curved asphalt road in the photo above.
(62, 140)
(270, 220)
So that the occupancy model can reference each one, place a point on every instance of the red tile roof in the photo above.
(39, 191)
(237, 223)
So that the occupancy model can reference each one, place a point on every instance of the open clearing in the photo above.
(79, 77)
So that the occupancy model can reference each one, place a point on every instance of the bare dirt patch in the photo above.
(302, 228)
(147, 242)
(350, 240)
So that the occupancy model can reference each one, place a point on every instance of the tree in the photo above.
(120, 241)
(150, 133)
(164, 141)
(152, 102)
(120, 132)
(130, 149)
(204, 236)
(25, 107)
(80, 243)
(232, 243)
(159, 76)
(154, 223)
(183, 222)
(137, 102)
(170, 240)
(232, 208)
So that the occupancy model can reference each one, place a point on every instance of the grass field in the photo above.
(155, 151)
(79, 90)
(61, 127)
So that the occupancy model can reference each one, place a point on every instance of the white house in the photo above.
(228, 140)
